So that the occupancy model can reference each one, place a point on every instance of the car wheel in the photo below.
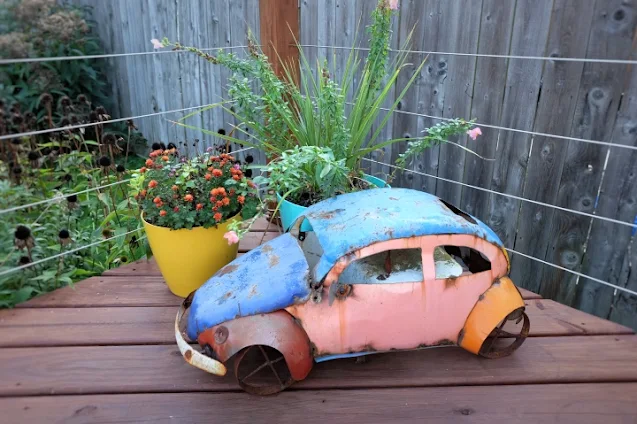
(261, 370)
(499, 344)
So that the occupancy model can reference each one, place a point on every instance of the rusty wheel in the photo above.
(498, 344)
(261, 370)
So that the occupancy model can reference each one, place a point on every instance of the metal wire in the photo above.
(497, 56)
(60, 197)
(539, 134)
(106, 56)
(77, 249)
(579, 274)
(110, 121)
(512, 196)
(532, 201)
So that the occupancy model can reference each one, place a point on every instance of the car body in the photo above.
(381, 270)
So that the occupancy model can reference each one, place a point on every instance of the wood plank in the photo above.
(153, 325)
(538, 404)
(486, 103)
(530, 31)
(598, 100)
(279, 33)
(160, 368)
(570, 23)
(118, 291)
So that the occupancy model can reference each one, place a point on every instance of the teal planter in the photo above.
(291, 211)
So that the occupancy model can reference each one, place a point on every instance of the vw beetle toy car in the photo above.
(379, 270)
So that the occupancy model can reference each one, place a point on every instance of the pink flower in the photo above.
(474, 133)
(157, 44)
(232, 237)
(393, 4)
(236, 166)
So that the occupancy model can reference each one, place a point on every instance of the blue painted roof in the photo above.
(352, 221)
(268, 278)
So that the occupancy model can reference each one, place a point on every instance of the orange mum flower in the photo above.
(214, 208)
(162, 213)
(208, 177)
(152, 184)
(149, 162)
(188, 197)
(222, 191)
(217, 172)
(217, 216)
(232, 192)
(241, 199)
(226, 201)
(143, 193)
(157, 199)
(236, 177)
(199, 206)
(176, 209)
(143, 169)
(219, 203)
(160, 204)
(174, 188)
(165, 158)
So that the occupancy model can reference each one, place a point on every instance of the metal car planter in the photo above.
(382, 269)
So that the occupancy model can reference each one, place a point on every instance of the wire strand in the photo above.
(60, 197)
(579, 274)
(92, 124)
(77, 249)
(534, 133)
(106, 56)
(495, 56)
(512, 196)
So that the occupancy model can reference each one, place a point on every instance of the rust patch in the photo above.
(393, 198)
(329, 214)
(253, 291)
(273, 260)
(188, 355)
(481, 297)
(539, 305)
(227, 295)
(460, 336)
(267, 248)
(368, 348)
(450, 283)
(227, 270)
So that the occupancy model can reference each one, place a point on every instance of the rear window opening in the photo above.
(393, 266)
(455, 261)
(459, 212)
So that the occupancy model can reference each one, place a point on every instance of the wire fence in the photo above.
(533, 133)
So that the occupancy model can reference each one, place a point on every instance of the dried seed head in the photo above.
(74, 120)
(131, 124)
(67, 177)
(16, 170)
(30, 118)
(65, 101)
(17, 119)
(33, 155)
(107, 233)
(46, 99)
(64, 122)
(16, 141)
(65, 237)
(100, 110)
(24, 260)
(155, 146)
(162, 146)
(81, 99)
(105, 161)
(72, 198)
(22, 232)
(120, 168)
(109, 139)
(92, 117)
(249, 159)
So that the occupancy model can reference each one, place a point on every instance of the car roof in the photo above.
(348, 222)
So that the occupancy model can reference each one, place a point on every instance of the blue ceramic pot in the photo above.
(291, 211)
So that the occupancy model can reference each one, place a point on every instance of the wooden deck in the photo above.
(104, 351)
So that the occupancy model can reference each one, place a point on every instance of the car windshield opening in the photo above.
(391, 266)
(455, 261)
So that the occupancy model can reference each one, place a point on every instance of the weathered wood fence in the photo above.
(543, 104)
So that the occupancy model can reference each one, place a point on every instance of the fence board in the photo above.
(486, 102)
(598, 100)
(570, 23)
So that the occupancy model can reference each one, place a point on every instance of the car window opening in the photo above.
(455, 261)
(459, 212)
(392, 266)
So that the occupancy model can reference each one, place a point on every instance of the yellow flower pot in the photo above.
(188, 258)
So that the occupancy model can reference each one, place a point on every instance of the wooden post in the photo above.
(279, 33)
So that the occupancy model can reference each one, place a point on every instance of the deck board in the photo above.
(160, 368)
(104, 351)
(153, 325)
(537, 404)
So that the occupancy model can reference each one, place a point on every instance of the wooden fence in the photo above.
(588, 100)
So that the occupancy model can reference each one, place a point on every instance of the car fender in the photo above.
(492, 307)
(278, 330)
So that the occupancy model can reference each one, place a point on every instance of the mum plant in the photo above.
(204, 191)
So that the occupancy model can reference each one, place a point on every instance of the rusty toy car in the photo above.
(380, 270)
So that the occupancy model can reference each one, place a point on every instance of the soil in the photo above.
(310, 198)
